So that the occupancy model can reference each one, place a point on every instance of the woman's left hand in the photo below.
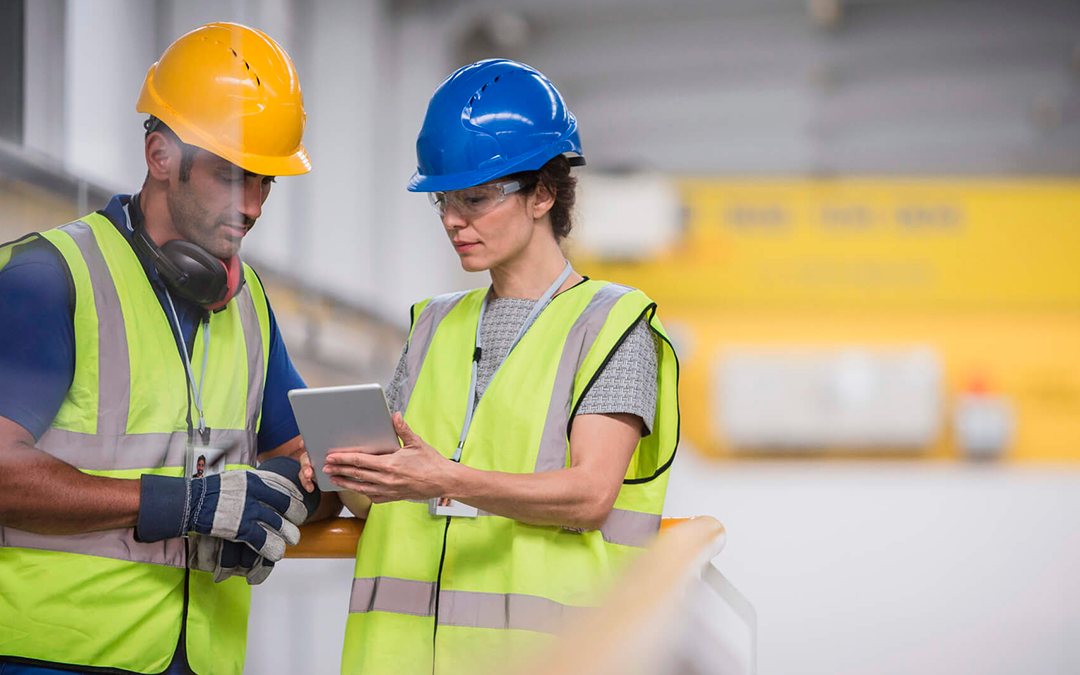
(307, 472)
(415, 471)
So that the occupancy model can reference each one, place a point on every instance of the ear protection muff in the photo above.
(192, 272)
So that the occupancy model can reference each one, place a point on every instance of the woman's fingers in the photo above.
(307, 473)
(353, 457)
(353, 473)
(377, 494)
(404, 432)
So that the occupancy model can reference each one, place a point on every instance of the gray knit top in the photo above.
(626, 384)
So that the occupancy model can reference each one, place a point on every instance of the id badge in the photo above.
(444, 506)
(201, 460)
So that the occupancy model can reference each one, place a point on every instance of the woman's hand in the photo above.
(415, 471)
(307, 472)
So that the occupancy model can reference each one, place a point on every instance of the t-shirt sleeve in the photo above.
(628, 382)
(37, 338)
(278, 424)
(393, 389)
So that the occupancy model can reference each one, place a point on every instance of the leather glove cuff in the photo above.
(165, 504)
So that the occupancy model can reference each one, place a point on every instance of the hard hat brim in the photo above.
(460, 181)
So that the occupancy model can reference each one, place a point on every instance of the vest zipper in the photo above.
(182, 646)
(438, 587)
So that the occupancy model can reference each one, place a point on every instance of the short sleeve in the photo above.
(278, 424)
(393, 389)
(37, 337)
(628, 382)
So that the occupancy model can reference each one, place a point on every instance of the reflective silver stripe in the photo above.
(422, 333)
(552, 452)
(97, 452)
(114, 378)
(389, 594)
(115, 544)
(459, 608)
(503, 611)
(627, 528)
(630, 528)
(249, 319)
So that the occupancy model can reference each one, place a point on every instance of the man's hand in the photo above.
(415, 471)
(226, 559)
(261, 508)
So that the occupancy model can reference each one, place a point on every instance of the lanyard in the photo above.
(540, 305)
(196, 390)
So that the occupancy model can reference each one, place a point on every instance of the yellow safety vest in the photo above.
(435, 594)
(101, 599)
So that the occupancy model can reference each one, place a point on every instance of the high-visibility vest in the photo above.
(448, 595)
(101, 599)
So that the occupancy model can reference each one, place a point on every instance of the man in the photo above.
(131, 342)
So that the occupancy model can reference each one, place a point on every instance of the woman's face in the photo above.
(500, 235)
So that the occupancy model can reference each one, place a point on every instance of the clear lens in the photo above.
(473, 201)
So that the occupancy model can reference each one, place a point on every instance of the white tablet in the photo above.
(342, 417)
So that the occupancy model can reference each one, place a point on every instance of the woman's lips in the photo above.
(464, 245)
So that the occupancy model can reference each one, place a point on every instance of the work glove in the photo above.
(226, 559)
(257, 507)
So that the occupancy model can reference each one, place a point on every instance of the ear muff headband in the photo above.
(192, 272)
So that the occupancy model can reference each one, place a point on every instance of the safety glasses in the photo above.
(475, 201)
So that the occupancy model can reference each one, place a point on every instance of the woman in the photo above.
(540, 414)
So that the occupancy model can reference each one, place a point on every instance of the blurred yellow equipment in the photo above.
(233, 91)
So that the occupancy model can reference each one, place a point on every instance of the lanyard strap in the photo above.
(539, 307)
(196, 390)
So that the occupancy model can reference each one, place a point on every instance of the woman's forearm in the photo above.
(358, 504)
(567, 497)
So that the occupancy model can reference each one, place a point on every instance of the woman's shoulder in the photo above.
(612, 288)
(451, 298)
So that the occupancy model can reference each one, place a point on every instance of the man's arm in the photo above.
(278, 432)
(39, 493)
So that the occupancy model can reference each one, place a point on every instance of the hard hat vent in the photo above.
(247, 66)
(476, 97)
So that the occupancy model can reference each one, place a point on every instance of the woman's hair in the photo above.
(555, 175)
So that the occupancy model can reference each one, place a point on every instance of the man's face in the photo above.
(200, 465)
(218, 204)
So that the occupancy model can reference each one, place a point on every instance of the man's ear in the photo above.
(543, 198)
(161, 155)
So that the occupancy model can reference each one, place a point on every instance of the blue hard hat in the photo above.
(490, 119)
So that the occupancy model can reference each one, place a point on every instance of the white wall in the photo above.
(108, 48)
(898, 567)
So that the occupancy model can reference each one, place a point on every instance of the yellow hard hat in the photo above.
(233, 91)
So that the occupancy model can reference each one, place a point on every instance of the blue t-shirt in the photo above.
(37, 341)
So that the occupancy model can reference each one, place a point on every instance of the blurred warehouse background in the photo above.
(861, 220)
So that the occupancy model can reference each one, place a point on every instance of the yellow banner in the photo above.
(911, 242)
(985, 272)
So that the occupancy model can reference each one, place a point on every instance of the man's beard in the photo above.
(196, 225)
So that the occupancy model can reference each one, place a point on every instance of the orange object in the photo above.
(330, 538)
(337, 537)
(233, 91)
